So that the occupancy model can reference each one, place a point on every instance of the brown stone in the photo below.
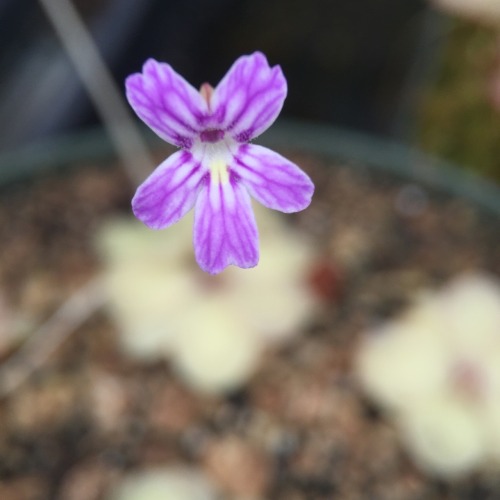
(237, 467)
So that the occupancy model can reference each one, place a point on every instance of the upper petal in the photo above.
(273, 180)
(169, 192)
(225, 231)
(167, 103)
(249, 98)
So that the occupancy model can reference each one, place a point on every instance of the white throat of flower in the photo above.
(216, 157)
(214, 149)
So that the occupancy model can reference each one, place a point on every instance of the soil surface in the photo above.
(301, 428)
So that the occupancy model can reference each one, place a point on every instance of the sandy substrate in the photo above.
(302, 427)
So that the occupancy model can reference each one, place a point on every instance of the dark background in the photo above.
(351, 63)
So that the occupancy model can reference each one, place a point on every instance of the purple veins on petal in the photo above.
(225, 231)
(167, 103)
(216, 171)
(272, 180)
(169, 192)
(249, 97)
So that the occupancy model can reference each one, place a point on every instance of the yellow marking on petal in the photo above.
(219, 171)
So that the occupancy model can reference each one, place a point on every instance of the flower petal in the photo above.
(273, 180)
(225, 231)
(249, 98)
(167, 103)
(169, 192)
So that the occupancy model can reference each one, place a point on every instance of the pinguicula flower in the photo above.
(216, 170)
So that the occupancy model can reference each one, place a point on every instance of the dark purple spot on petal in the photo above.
(245, 136)
(214, 135)
(183, 142)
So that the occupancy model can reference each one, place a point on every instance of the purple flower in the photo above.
(216, 170)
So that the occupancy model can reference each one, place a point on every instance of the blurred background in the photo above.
(360, 359)
(404, 70)
(355, 64)
(396, 69)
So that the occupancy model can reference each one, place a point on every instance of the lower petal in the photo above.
(225, 231)
(169, 192)
(273, 180)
